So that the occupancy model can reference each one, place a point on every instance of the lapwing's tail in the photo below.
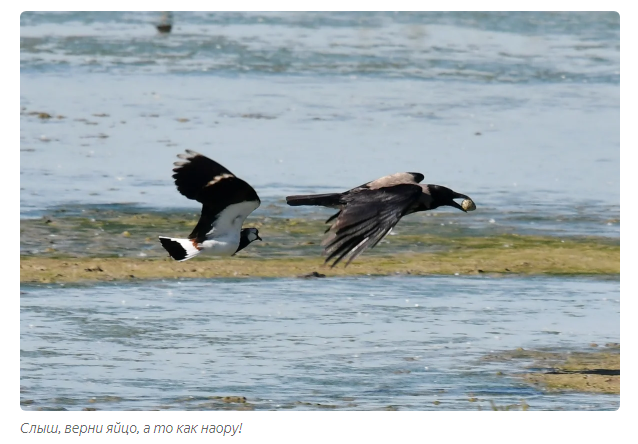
(180, 249)
(323, 200)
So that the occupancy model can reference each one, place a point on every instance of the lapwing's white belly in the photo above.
(225, 246)
(223, 239)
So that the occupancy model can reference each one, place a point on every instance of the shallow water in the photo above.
(518, 110)
(356, 344)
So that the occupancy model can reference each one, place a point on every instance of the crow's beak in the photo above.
(459, 196)
(467, 204)
(455, 205)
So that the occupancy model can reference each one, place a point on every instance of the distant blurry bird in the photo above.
(226, 202)
(368, 212)
(165, 23)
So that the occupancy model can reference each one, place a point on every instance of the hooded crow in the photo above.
(226, 202)
(368, 212)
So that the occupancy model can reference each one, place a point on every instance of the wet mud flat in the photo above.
(110, 245)
(591, 371)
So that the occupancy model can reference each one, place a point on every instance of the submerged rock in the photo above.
(314, 274)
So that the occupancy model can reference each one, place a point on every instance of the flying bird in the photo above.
(226, 202)
(368, 212)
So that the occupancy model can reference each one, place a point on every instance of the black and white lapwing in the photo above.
(226, 202)
(368, 212)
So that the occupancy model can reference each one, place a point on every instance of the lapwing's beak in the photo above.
(258, 238)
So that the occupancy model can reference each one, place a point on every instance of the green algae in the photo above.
(523, 406)
(596, 371)
(111, 245)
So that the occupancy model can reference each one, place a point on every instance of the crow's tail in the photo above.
(323, 200)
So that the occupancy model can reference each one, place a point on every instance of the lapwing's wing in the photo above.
(226, 199)
(195, 173)
(367, 217)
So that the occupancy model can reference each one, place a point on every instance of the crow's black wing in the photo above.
(367, 217)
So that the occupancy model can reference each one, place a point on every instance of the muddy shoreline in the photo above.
(114, 246)
(108, 246)
(592, 371)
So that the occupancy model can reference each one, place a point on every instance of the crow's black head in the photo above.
(444, 196)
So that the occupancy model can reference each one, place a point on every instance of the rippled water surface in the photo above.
(355, 344)
(518, 110)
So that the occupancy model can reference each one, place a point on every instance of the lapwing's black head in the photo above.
(444, 196)
(246, 237)
(252, 234)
